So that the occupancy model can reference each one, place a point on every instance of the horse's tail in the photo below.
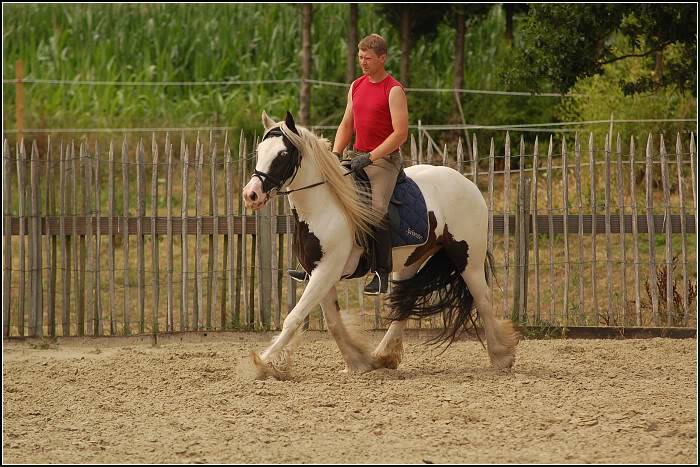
(437, 287)
(489, 270)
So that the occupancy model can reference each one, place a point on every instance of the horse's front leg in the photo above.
(351, 345)
(275, 361)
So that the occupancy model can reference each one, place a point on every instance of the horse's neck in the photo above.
(310, 203)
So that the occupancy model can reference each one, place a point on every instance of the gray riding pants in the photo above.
(382, 177)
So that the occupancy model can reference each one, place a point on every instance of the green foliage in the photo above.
(222, 42)
(601, 96)
(424, 18)
(565, 42)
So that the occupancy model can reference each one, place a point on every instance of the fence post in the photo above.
(7, 247)
(264, 242)
(36, 321)
(525, 249)
(140, 235)
(651, 230)
(684, 261)
(522, 243)
(155, 244)
(535, 228)
(21, 191)
(515, 312)
(125, 235)
(506, 224)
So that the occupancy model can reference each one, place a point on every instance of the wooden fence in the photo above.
(73, 214)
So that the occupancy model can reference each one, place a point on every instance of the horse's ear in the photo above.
(289, 120)
(267, 121)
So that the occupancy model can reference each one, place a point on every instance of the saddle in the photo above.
(408, 214)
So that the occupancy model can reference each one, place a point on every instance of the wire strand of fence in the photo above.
(534, 127)
(148, 83)
(252, 155)
(315, 82)
(531, 125)
(272, 81)
(93, 213)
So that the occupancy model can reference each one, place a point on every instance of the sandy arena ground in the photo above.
(567, 401)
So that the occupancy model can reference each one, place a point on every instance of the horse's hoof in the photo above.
(503, 362)
(390, 358)
(390, 361)
(265, 370)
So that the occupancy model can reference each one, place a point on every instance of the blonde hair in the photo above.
(374, 42)
(359, 213)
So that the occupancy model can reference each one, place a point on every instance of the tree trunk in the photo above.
(351, 68)
(405, 45)
(508, 8)
(659, 69)
(458, 81)
(305, 92)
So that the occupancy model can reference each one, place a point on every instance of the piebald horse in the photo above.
(332, 219)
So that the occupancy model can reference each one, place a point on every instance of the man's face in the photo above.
(370, 62)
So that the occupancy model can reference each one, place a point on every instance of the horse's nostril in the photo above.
(253, 196)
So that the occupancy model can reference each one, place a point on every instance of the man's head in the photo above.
(372, 54)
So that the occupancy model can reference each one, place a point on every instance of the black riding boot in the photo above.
(381, 254)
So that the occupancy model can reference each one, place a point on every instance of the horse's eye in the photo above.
(283, 154)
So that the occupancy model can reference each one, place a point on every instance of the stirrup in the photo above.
(299, 276)
(377, 286)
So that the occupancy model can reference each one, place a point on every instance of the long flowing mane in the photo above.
(359, 213)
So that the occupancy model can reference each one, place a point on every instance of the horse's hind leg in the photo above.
(390, 350)
(351, 346)
(501, 337)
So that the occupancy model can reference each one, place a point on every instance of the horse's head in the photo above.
(278, 162)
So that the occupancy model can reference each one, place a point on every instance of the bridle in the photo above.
(270, 183)
(267, 179)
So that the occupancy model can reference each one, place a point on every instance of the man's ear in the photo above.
(267, 121)
(289, 120)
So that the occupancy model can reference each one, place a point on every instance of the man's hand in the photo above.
(360, 162)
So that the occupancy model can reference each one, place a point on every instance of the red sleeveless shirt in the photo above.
(370, 112)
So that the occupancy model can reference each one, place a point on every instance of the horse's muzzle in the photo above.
(254, 196)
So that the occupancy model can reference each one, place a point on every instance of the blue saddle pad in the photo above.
(408, 214)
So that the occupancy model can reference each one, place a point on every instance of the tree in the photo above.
(413, 21)
(351, 63)
(565, 42)
(305, 92)
(510, 10)
(464, 15)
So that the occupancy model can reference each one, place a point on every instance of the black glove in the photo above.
(360, 162)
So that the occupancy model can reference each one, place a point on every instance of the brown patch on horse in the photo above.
(456, 250)
(306, 246)
(422, 250)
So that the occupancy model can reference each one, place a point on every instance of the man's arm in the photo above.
(344, 133)
(398, 106)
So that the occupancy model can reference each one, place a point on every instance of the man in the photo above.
(377, 113)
